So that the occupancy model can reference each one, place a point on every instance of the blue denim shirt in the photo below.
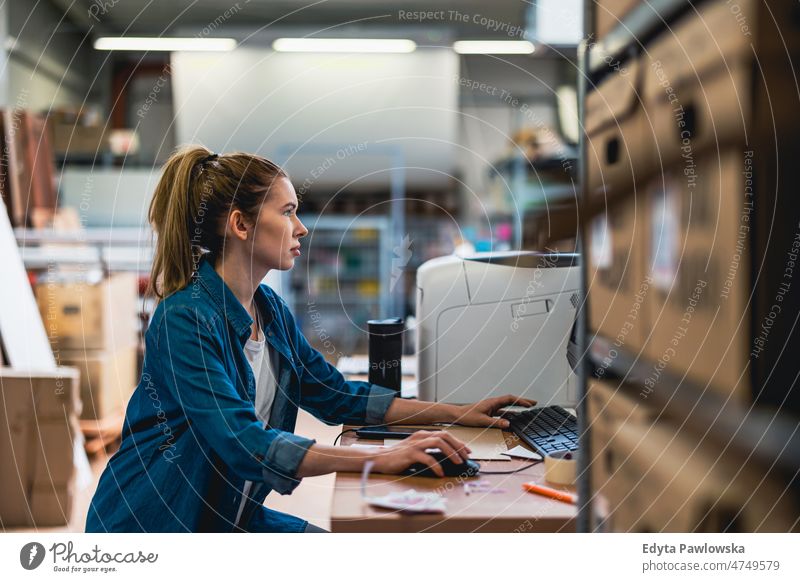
(191, 437)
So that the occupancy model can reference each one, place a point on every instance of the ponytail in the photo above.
(195, 193)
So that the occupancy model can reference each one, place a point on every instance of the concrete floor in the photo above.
(310, 501)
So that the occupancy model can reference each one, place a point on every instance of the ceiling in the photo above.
(462, 19)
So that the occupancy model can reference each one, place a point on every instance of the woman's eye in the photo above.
(288, 213)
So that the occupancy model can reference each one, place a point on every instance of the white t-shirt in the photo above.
(258, 355)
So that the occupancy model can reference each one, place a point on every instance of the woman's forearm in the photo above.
(324, 459)
(420, 412)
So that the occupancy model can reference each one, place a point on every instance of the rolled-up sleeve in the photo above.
(283, 460)
(379, 400)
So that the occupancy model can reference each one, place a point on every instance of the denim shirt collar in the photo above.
(227, 303)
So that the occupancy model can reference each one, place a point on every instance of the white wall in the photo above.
(490, 116)
(258, 100)
(108, 197)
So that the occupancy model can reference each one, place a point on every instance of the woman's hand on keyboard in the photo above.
(482, 413)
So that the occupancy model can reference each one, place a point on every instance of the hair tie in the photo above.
(189, 221)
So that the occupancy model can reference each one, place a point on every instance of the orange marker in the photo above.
(548, 492)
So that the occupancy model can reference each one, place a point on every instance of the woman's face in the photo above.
(277, 231)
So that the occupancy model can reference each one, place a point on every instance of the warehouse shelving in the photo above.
(342, 279)
(763, 439)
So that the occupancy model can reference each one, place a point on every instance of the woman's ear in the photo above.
(238, 225)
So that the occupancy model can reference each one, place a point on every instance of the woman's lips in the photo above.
(295, 251)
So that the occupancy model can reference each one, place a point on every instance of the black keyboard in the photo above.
(547, 429)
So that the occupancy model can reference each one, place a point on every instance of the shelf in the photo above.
(113, 249)
(345, 237)
(121, 236)
(511, 164)
(347, 276)
(345, 299)
(771, 438)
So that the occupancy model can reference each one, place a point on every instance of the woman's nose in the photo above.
(303, 231)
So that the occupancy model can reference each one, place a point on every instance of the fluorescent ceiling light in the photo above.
(134, 43)
(493, 47)
(344, 45)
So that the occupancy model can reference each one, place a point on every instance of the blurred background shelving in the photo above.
(343, 278)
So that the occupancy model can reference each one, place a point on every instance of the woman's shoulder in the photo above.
(185, 305)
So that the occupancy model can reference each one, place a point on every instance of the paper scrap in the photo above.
(482, 486)
(411, 501)
(487, 444)
(521, 452)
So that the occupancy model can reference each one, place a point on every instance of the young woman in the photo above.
(209, 430)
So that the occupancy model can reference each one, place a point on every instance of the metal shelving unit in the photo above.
(343, 278)
(112, 249)
(760, 436)
(523, 189)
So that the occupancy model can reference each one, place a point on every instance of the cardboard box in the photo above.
(51, 394)
(696, 84)
(714, 166)
(52, 442)
(722, 76)
(663, 481)
(698, 257)
(609, 408)
(78, 140)
(107, 379)
(723, 238)
(619, 139)
(84, 316)
(722, 256)
(608, 13)
(51, 504)
(38, 427)
(616, 278)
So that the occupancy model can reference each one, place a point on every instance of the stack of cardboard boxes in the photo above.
(651, 474)
(93, 327)
(38, 428)
(609, 14)
(691, 142)
(78, 132)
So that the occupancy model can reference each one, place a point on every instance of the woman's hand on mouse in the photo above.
(410, 450)
(482, 413)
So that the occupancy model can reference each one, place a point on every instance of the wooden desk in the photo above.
(511, 511)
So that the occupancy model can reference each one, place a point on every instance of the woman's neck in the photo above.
(242, 279)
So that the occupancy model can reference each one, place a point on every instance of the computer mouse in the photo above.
(466, 469)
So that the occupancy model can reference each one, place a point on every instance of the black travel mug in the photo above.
(386, 352)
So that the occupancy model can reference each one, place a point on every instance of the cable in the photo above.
(482, 472)
(338, 436)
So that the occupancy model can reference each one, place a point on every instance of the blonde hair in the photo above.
(194, 196)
